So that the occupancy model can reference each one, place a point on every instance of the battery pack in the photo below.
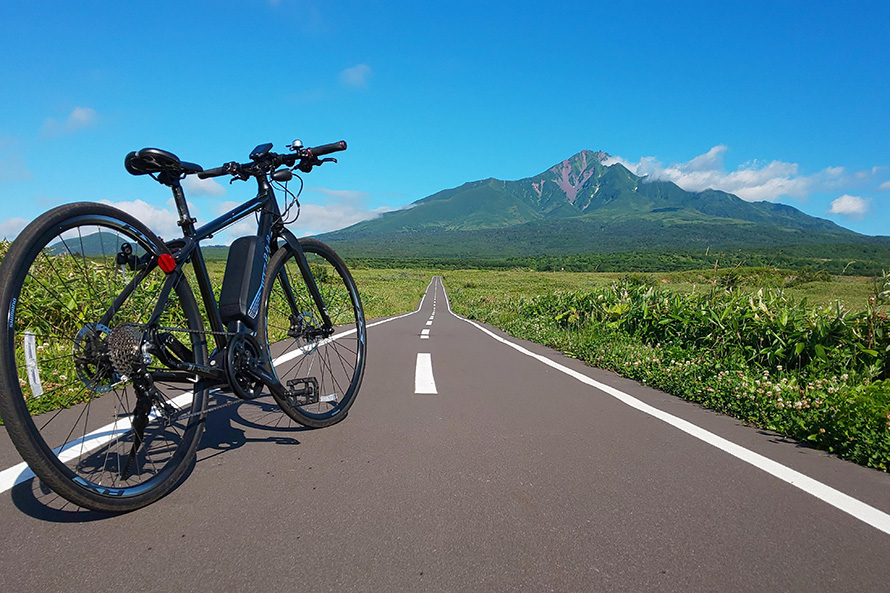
(242, 287)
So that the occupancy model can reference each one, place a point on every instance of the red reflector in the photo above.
(166, 263)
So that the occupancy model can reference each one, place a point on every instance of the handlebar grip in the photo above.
(228, 169)
(327, 148)
(212, 172)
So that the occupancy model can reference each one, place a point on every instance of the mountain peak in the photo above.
(597, 155)
(571, 174)
(585, 159)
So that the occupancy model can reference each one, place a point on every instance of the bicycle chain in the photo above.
(213, 333)
(195, 331)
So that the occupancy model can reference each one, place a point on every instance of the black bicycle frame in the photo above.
(188, 249)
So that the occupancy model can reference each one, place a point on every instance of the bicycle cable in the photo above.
(294, 200)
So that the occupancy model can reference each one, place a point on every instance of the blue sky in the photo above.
(784, 101)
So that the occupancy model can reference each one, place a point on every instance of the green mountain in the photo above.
(582, 205)
(95, 244)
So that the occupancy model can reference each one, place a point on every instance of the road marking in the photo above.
(839, 500)
(423, 375)
(430, 322)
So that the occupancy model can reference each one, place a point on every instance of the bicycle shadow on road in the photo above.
(225, 429)
(35, 499)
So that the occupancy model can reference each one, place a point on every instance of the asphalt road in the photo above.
(473, 462)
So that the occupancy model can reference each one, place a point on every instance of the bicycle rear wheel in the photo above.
(70, 397)
(322, 373)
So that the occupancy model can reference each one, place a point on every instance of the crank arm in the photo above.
(269, 380)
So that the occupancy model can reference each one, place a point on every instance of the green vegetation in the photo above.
(387, 292)
(841, 259)
(767, 357)
(384, 292)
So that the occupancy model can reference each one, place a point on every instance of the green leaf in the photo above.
(820, 351)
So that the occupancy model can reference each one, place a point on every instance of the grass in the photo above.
(384, 292)
(390, 292)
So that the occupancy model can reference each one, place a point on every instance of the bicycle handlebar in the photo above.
(308, 158)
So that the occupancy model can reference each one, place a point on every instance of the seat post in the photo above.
(185, 218)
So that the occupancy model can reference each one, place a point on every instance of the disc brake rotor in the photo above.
(93, 365)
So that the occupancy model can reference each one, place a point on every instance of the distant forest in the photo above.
(845, 259)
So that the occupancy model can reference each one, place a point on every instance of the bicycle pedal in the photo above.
(304, 391)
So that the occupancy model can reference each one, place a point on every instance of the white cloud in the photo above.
(195, 186)
(79, 119)
(851, 206)
(752, 181)
(315, 218)
(245, 226)
(884, 186)
(357, 76)
(342, 209)
(161, 221)
(11, 227)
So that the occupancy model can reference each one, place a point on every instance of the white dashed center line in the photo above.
(423, 375)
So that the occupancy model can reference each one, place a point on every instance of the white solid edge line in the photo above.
(15, 475)
(423, 375)
(841, 501)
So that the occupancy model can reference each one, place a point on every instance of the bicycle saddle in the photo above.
(155, 160)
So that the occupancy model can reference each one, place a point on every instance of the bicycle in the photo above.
(106, 360)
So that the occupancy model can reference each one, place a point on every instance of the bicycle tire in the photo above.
(333, 366)
(66, 406)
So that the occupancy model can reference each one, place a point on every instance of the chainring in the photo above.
(244, 352)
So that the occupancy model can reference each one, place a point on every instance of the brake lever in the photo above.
(306, 165)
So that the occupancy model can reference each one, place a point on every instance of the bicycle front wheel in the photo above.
(321, 372)
(77, 287)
